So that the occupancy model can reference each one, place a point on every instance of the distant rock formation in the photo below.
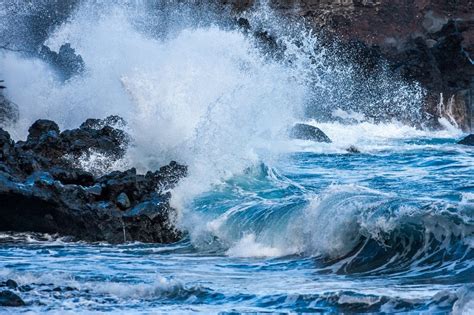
(66, 62)
(429, 41)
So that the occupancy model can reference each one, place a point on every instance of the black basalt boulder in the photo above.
(469, 140)
(308, 132)
(42, 127)
(353, 149)
(11, 284)
(8, 298)
(111, 121)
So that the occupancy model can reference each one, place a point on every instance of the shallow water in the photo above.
(389, 229)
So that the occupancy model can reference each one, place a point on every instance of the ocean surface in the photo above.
(390, 229)
(272, 224)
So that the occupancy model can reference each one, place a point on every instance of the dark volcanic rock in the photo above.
(8, 298)
(8, 111)
(46, 148)
(11, 284)
(353, 149)
(122, 201)
(308, 132)
(469, 140)
(41, 190)
(427, 41)
(41, 128)
(112, 121)
(66, 61)
(105, 140)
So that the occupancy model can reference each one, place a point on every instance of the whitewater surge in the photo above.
(207, 96)
(204, 96)
(270, 223)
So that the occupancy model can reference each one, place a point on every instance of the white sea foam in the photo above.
(249, 247)
(160, 286)
(205, 96)
(331, 225)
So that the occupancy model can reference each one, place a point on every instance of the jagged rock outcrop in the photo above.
(42, 190)
(32, 25)
(8, 110)
(308, 132)
(66, 62)
(429, 41)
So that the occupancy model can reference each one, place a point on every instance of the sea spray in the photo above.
(205, 96)
(271, 224)
(197, 91)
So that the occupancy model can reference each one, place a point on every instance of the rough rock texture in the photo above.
(430, 41)
(29, 27)
(42, 191)
(66, 62)
(8, 110)
(468, 140)
(308, 132)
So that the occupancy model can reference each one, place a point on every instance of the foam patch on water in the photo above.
(465, 303)
(372, 137)
(160, 286)
(249, 247)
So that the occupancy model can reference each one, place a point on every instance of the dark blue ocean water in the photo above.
(390, 229)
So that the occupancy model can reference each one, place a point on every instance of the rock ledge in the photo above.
(42, 191)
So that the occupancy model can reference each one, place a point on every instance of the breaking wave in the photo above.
(196, 87)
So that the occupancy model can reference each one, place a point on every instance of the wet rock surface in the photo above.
(308, 132)
(11, 284)
(468, 140)
(8, 110)
(66, 62)
(42, 190)
(8, 298)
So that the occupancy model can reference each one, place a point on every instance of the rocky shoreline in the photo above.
(42, 190)
(429, 42)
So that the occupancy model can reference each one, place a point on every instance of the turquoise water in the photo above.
(389, 229)
(271, 224)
